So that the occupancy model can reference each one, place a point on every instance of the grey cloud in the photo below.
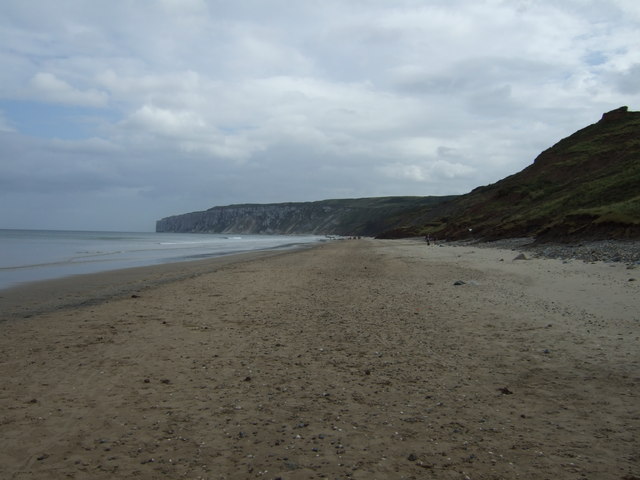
(629, 81)
(472, 74)
(52, 166)
(52, 89)
(493, 102)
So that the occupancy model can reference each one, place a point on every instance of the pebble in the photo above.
(614, 251)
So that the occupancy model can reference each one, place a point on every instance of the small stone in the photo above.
(521, 256)
(632, 279)
(458, 282)
(135, 296)
(412, 457)
(166, 381)
(505, 391)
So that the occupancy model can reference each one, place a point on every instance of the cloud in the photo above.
(165, 121)
(628, 82)
(5, 125)
(47, 87)
(58, 165)
(431, 172)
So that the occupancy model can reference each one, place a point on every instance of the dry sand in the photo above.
(356, 359)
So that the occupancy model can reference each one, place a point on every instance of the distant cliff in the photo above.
(362, 216)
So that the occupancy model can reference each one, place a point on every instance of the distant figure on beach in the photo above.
(428, 239)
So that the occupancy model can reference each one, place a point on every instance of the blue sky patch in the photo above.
(44, 120)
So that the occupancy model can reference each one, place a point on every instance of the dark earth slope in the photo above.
(586, 186)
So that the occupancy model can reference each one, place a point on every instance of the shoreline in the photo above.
(365, 359)
(40, 255)
(44, 296)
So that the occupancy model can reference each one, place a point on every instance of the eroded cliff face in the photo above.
(356, 216)
(286, 218)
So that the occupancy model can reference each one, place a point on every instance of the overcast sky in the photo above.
(116, 113)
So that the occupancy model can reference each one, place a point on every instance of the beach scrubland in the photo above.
(359, 359)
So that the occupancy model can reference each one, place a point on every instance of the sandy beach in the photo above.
(356, 359)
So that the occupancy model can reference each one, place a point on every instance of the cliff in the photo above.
(586, 186)
(364, 216)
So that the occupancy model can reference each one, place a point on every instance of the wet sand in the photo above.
(354, 359)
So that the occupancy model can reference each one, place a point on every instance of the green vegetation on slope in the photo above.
(587, 185)
(369, 216)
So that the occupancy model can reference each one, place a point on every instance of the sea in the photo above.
(34, 255)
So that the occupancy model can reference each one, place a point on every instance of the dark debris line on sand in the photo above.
(623, 251)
